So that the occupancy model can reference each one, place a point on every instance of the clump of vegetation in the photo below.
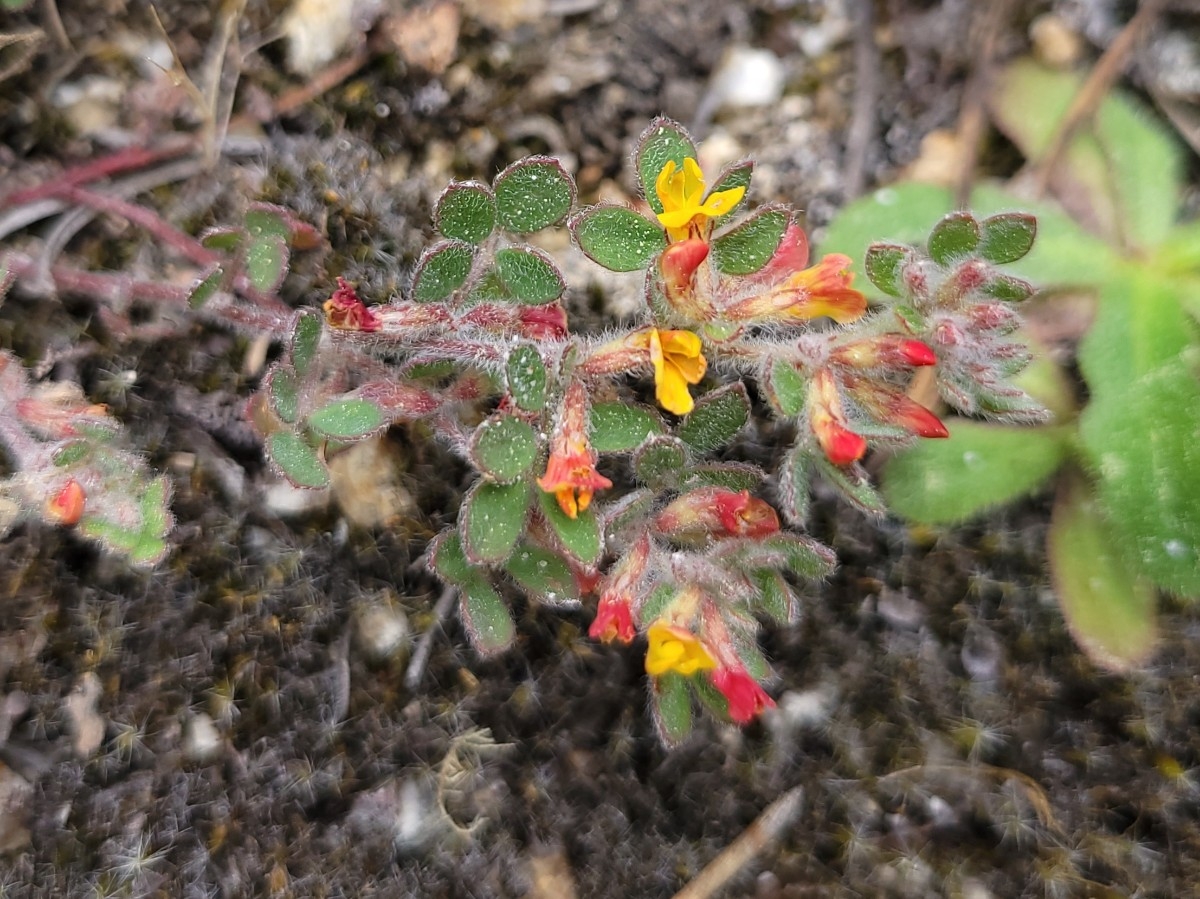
(691, 555)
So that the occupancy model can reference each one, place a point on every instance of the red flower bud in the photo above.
(841, 445)
(547, 322)
(614, 621)
(745, 697)
(708, 512)
(66, 506)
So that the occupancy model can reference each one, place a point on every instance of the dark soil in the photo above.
(949, 738)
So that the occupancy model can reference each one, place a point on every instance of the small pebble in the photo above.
(748, 77)
(201, 739)
(1054, 41)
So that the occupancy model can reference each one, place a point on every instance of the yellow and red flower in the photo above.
(709, 512)
(66, 506)
(686, 209)
(346, 312)
(676, 649)
(820, 290)
(571, 470)
(678, 363)
(828, 419)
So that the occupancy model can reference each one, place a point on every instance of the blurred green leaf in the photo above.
(883, 264)
(978, 467)
(662, 142)
(448, 560)
(306, 337)
(730, 475)
(671, 708)
(1109, 610)
(202, 291)
(617, 237)
(466, 211)
(492, 519)
(297, 460)
(347, 419)
(485, 616)
(620, 427)
(503, 448)
(532, 194)
(853, 484)
(1144, 447)
(284, 392)
(264, 220)
(750, 245)
(267, 262)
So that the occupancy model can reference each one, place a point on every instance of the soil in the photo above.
(233, 724)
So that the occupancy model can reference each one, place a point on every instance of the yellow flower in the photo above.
(677, 362)
(685, 207)
(675, 649)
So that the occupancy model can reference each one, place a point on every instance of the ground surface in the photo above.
(948, 737)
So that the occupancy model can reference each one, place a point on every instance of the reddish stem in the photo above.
(122, 161)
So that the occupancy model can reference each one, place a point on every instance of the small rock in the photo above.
(382, 629)
(366, 483)
(285, 501)
(426, 37)
(201, 739)
(85, 723)
(900, 610)
(316, 31)
(941, 159)
(1055, 42)
(746, 77)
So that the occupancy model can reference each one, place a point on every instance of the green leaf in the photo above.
(544, 575)
(1140, 324)
(660, 461)
(735, 175)
(284, 392)
(1007, 289)
(795, 485)
(202, 291)
(297, 460)
(71, 453)
(533, 193)
(1109, 610)
(530, 275)
(884, 263)
(578, 537)
(267, 262)
(716, 419)
(978, 467)
(656, 604)
(225, 239)
(956, 236)
(730, 475)
(1007, 237)
(786, 388)
(466, 211)
(748, 247)
(526, 377)
(306, 337)
(503, 448)
(347, 419)
(447, 559)
(441, 270)
(802, 555)
(1104, 177)
(776, 599)
(663, 141)
(485, 616)
(617, 237)
(492, 520)
(619, 427)
(264, 220)
(671, 708)
(1144, 447)
(853, 484)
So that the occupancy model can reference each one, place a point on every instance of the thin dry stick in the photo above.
(990, 20)
(861, 133)
(420, 656)
(766, 828)
(1108, 68)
